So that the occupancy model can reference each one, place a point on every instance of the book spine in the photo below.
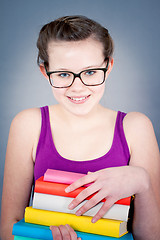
(60, 204)
(107, 227)
(58, 176)
(24, 229)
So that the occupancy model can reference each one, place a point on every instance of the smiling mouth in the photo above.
(79, 99)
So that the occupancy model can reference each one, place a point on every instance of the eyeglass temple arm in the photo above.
(45, 66)
(107, 63)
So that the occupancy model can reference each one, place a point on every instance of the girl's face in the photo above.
(78, 99)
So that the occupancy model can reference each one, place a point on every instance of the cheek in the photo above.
(99, 90)
(58, 93)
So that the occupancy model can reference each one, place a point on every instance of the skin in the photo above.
(94, 126)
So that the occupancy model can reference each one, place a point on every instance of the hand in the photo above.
(111, 183)
(63, 232)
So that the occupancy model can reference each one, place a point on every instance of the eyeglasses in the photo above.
(89, 77)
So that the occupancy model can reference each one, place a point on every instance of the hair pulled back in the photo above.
(72, 28)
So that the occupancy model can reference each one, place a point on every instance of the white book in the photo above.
(60, 204)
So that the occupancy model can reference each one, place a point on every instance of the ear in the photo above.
(110, 66)
(43, 71)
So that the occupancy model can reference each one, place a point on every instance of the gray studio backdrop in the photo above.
(134, 84)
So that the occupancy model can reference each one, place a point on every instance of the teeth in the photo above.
(78, 99)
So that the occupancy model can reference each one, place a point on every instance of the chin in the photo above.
(80, 112)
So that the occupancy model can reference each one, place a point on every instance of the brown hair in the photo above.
(72, 28)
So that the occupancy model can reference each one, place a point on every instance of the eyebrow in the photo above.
(88, 67)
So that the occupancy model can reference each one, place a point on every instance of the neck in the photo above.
(80, 120)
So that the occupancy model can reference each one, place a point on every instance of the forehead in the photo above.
(75, 54)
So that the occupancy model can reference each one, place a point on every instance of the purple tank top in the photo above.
(48, 157)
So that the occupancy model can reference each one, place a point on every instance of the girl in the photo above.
(78, 134)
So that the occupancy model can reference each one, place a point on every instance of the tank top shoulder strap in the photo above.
(119, 134)
(45, 116)
(45, 127)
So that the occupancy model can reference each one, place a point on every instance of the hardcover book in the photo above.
(26, 231)
(106, 227)
(60, 204)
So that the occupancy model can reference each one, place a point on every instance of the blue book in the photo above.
(28, 231)
(25, 238)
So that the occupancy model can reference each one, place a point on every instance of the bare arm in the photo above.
(18, 173)
(145, 154)
(141, 177)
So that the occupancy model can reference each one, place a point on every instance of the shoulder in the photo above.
(26, 118)
(24, 131)
(137, 120)
(136, 124)
(26, 124)
(140, 136)
(27, 114)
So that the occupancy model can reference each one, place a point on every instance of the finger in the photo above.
(106, 206)
(56, 233)
(97, 198)
(73, 234)
(89, 191)
(65, 233)
(81, 182)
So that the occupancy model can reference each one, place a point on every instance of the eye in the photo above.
(63, 75)
(90, 72)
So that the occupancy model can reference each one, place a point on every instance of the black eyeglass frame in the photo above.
(78, 75)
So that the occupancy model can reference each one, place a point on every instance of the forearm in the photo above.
(6, 231)
(146, 222)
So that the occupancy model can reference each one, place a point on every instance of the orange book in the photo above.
(42, 186)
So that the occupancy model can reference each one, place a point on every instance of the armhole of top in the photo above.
(123, 137)
(42, 131)
(37, 150)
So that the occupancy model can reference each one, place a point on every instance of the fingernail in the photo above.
(78, 213)
(93, 220)
(71, 206)
(51, 228)
(67, 189)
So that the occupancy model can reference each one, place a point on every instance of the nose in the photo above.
(77, 84)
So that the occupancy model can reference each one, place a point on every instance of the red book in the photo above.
(42, 186)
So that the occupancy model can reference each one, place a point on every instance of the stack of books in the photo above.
(50, 207)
